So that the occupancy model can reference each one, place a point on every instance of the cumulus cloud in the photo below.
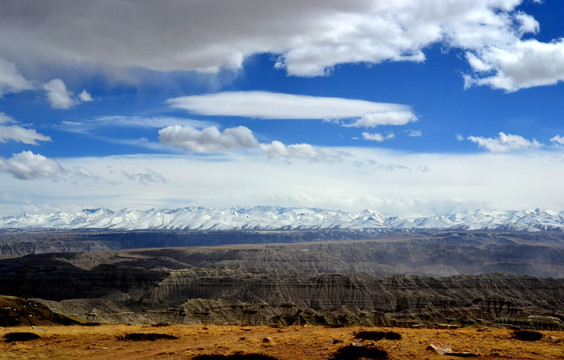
(58, 95)
(207, 140)
(29, 166)
(377, 136)
(85, 96)
(505, 143)
(211, 140)
(522, 64)
(277, 149)
(268, 105)
(558, 140)
(60, 98)
(11, 80)
(309, 39)
(17, 133)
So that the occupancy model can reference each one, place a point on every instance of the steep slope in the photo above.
(15, 311)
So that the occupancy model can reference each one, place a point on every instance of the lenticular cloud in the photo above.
(268, 105)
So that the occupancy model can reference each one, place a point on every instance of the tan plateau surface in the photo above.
(284, 343)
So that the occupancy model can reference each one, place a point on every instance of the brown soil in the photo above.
(289, 343)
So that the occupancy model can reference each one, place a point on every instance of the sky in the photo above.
(407, 107)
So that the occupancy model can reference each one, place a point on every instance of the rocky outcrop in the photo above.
(15, 311)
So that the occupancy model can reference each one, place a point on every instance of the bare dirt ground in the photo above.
(288, 343)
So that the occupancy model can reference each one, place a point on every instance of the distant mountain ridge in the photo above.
(282, 218)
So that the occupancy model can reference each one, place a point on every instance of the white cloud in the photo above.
(309, 38)
(17, 133)
(147, 176)
(519, 65)
(383, 118)
(377, 166)
(211, 140)
(414, 133)
(61, 98)
(5, 119)
(58, 95)
(277, 149)
(207, 140)
(268, 105)
(159, 122)
(84, 96)
(394, 182)
(505, 143)
(558, 140)
(29, 166)
(459, 137)
(527, 24)
(377, 136)
(11, 80)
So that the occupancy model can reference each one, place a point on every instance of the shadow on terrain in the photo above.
(235, 357)
(146, 337)
(20, 336)
(352, 352)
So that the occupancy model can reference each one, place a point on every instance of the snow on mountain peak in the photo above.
(276, 218)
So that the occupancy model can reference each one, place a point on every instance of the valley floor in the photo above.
(285, 343)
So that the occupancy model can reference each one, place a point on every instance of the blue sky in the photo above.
(411, 107)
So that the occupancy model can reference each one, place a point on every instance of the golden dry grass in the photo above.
(290, 343)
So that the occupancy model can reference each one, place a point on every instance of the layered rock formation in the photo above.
(333, 284)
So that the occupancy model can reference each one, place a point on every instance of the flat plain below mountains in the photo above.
(468, 278)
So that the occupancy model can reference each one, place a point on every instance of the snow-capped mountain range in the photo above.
(275, 218)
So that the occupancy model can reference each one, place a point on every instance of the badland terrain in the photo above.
(331, 278)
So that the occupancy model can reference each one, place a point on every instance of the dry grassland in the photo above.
(289, 343)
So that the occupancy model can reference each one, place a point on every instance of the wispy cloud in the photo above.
(558, 140)
(413, 133)
(17, 133)
(90, 126)
(11, 80)
(505, 143)
(5, 119)
(277, 149)
(268, 105)
(377, 136)
(382, 180)
(147, 176)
